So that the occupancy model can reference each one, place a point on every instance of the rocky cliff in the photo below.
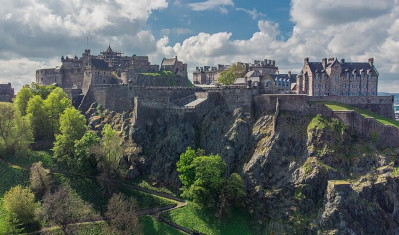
(304, 174)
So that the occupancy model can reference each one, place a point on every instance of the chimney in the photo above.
(342, 61)
(273, 63)
(330, 59)
(371, 61)
(306, 60)
(324, 62)
(289, 74)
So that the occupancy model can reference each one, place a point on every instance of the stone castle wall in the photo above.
(382, 105)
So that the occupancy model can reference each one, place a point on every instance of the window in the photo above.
(362, 76)
(336, 78)
(347, 76)
(369, 77)
(322, 76)
(317, 76)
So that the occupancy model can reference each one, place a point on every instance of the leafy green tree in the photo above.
(38, 118)
(15, 132)
(186, 168)
(208, 181)
(64, 207)
(41, 90)
(123, 216)
(226, 77)
(56, 103)
(238, 69)
(22, 99)
(109, 155)
(40, 180)
(20, 205)
(231, 195)
(72, 127)
(85, 160)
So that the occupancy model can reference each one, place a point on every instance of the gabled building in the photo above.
(175, 66)
(337, 78)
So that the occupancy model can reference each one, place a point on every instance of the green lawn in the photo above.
(145, 200)
(35, 156)
(195, 218)
(152, 227)
(335, 106)
(161, 73)
(9, 177)
(145, 182)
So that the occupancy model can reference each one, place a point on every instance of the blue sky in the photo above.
(235, 20)
(34, 34)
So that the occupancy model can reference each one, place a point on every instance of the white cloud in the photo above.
(211, 4)
(253, 13)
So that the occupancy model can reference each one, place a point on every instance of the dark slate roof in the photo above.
(100, 64)
(168, 62)
(284, 76)
(316, 66)
(346, 66)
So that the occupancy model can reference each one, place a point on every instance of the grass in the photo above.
(35, 156)
(151, 226)
(160, 73)
(145, 182)
(195, 218)
(92, 228)
(335, 106)
(9, 177)
(145, 200)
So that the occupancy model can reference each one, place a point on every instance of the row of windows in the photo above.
(348, 77)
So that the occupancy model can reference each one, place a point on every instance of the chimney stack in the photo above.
(289, 74)
(273, 63)
(324, 62)
(306, 60)
(371, 61)
(342, 61)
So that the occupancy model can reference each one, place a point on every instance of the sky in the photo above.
(34, 34)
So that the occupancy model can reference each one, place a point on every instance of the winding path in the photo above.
(154, 212)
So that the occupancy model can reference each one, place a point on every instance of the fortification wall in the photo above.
(382, 105)
(233, 97)
(111, 97)
(386, 136)
(165, 93)
(137, 79)
(266, 103)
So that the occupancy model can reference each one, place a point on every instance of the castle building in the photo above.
(6, 92)
(209, 75)
(174, 65)
(337, 78)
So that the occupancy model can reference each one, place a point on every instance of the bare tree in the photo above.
(40, 180)
(123, 216)
(64, 207)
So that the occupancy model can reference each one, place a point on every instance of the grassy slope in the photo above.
(366, 113)
(151, 226)
(87, 189)
(194, 218)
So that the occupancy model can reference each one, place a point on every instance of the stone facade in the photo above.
(6, 92)
(174, 65)
(209, 75)
(337, 78)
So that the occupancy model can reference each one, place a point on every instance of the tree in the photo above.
(208, 181)
(15, 132)
(226, 77)
(229, 76)
(41, 90)
(186, 168)
(56, 103)
(38, 118)
(85, 160)
(20, 205)
(122, 215)
(64, 207)
(22, 99)
(109, 155)
(72, 127)
(40, 180)
(232, 194)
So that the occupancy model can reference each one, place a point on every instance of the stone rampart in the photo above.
(266, 103)
(386, 136)
(111, 97)
(157, 80)
(382, 105)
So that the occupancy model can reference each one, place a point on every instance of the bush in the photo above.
(20, 205)
(40, 180)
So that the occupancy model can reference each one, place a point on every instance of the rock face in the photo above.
(304, 175)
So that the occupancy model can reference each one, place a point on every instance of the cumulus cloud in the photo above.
(253, 13)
